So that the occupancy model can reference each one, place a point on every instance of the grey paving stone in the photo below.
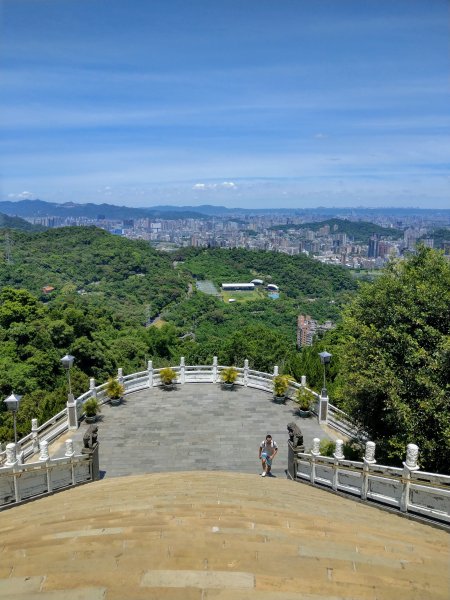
(194, 427)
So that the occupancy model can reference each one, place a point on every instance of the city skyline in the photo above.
(258, 104)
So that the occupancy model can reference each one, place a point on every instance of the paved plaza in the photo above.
(195, 427)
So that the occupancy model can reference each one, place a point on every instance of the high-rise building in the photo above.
(373, 247)
(306, 328)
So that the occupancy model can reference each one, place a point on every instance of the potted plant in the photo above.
(90, 410)
(304, 399)
(168, 377)
(228, 377)
(280, 387)
(115, 391)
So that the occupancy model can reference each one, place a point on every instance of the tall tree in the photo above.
(395, 359)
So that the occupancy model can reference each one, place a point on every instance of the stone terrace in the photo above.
(194, 427)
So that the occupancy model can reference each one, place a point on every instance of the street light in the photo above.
(12, 403)
(67, 362)
(325, 359)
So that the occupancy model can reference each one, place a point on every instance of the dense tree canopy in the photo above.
(391, 352)
(395, 359)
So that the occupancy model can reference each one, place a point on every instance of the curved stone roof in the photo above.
(223, 536)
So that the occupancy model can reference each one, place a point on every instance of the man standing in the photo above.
(267, 451)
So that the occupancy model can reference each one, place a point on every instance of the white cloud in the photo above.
(21, 196)
(230, 185)
(320, 136)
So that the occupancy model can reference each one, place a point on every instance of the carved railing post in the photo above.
(44, 456)
(214, 371)
(182, 370)
(338, 456)
(120, 375)
(70, 454)
(11, 458)
(69, 448)
(92, 388)
(412, 453)
(150, 373)
(315, 452)
(11, 461)
(246, 372)
(34, 435)
(275, 370)
(369, 459)
(303, 380)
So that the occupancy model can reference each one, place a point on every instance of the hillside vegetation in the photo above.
(390, 367)
(358, 231)
(7, 222)
(106, 288)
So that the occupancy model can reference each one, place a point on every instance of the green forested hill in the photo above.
(297, 276)
(7, 222)
(95, 264)
(105, 287)
(359, 231)
(440, 235)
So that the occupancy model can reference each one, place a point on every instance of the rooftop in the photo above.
(221, 536)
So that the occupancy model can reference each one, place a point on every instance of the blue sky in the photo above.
(280, 103)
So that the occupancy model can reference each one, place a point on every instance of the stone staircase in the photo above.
(215, 535)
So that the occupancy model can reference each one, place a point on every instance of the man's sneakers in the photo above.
(263, 474)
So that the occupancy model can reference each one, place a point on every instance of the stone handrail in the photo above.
(408, 489)
(22, 482)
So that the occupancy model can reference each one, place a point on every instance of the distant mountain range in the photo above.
(40, 208)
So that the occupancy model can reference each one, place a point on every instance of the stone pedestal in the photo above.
(95, 460)
(323, 409)
(72, 416)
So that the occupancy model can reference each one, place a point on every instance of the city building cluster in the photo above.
(273, 232)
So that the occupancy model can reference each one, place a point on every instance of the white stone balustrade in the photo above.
(25, 481)
(408, 489)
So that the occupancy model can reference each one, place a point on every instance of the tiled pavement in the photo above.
(194, 427)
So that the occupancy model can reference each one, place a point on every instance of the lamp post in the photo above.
(67, 362)
(325, 359)
(12, 403)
